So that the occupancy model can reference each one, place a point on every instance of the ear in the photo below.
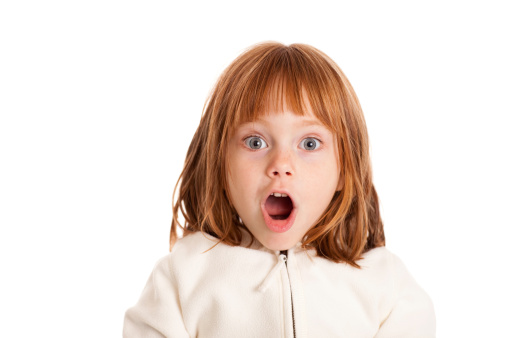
(341, 182)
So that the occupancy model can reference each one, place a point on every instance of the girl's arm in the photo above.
(412, 314)
(157, 313)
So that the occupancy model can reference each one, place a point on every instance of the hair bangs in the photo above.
(286, 79)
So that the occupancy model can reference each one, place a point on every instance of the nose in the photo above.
(281, 165)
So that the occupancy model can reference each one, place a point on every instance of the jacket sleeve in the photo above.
(158, 311)
(412, 314)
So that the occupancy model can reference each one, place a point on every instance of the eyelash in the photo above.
(319, 142)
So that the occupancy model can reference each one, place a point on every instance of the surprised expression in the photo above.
(283, 171)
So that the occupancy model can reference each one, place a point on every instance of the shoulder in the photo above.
(379, 257)
(410, 307)
(200, 246)
(202, 254)
(391, 268)
(194, 243)
(382, 260)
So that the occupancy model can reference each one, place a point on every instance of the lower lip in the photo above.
(279, 225)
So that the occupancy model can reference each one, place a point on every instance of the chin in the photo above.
(278, 244)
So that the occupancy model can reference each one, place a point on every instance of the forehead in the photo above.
(279, 112)
(308, 119)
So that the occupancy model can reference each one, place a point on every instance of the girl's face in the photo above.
(283, 173)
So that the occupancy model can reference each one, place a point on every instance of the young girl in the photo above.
(282, 235)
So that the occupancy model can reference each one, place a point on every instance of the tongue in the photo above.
(278, 206)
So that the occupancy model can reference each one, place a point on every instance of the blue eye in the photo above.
(310, 143)
(255, 142)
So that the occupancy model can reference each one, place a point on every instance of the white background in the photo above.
(99, 101)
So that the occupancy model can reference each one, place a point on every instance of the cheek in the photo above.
(322, 174)
(241, 179)
(238, 172)
(321, 186)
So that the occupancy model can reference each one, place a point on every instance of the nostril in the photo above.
(276, 173)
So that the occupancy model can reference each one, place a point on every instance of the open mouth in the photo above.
(279, 212)
(279, 206)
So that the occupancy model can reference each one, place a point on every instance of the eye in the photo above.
(310, 143)
(255, 142)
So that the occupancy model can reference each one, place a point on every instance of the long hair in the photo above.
(272, 77)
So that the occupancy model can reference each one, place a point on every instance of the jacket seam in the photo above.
(173, 282)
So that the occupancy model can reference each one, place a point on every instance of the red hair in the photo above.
(273, 77)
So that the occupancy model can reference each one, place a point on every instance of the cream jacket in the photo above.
(254, 292)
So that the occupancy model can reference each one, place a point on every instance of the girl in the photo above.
(282, 235)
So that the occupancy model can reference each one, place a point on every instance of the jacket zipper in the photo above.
(284, 252)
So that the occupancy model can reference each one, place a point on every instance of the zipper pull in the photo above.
(285, 254)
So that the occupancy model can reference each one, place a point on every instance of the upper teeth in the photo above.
(277, 194)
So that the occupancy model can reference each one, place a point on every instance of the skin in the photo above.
(283, 163)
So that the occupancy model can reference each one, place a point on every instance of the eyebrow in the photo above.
(312, 122)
